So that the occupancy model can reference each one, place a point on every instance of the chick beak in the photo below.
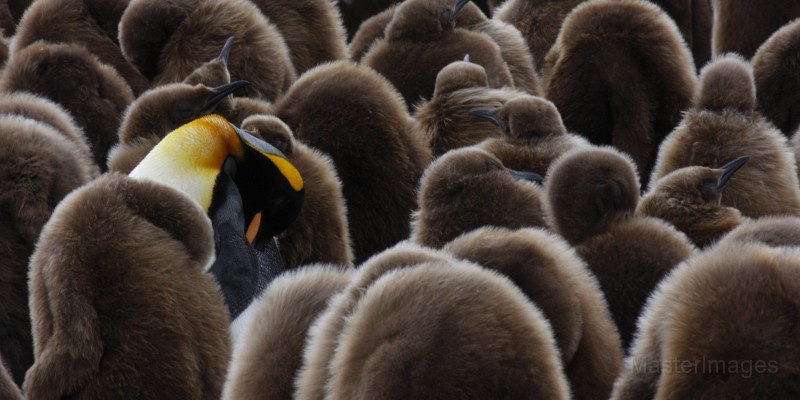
(225, 54)
(459, 6)
(527, 176)
(486, 114)
(729, 169)
(220, 92)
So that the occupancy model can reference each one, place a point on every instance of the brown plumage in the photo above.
(422, 332)
(444, 120)
(39, 168)
(723, 125)
(468, 188)
(8, 389)
(742, 27)
(533, 134)
(120, 302)
(269, 354)
(320, 233)
(538, 21)
(690, 199)
(91, 24)
(168, 40)
(369, 32)
(312, 29)
(774, 231)
(775, 71)
(68, 74)
(555, 279)
(422, 39)
(591, 195)
(367, 133)
(722, 326)
(695, 19)
(620, 74)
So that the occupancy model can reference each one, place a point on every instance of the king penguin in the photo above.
(161, 328)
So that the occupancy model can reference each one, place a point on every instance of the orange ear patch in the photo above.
(252, 229)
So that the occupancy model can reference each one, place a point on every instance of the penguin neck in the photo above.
(190, 158)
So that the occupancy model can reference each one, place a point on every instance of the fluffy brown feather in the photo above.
(10, 13)
(773, 231)
(776, 71)
(695, 19)
(369, 32)
(120, 303)
(742, 26)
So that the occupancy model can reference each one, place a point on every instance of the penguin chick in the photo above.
(370, 32)
(690, 199)
(167, 41)
(68, 74)
(533, 134)
(312, 29)
(590, 198)
(39, 168)
(549, 272)
(366, 131)
(695, 19)
(320, 233)
(538, 22)
(270, 350)
(721, 125)
(444, 120)
(468, 188)
(161, 110)
(621, 75)
(775, 74)
(44, 110)
(773, 231)
(422, 332)
(90, 24)
(744, 26)
(720, 326)
(422, 39)
(8, 389)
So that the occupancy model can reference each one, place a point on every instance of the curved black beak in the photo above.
(527, 176)
(220, 92)
(225, 54)
(486, 114)
(459, 6)
(728, 170)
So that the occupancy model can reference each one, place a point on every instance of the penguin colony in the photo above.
(319, 199)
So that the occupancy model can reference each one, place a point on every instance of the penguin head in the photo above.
(191, 158)
(214, 72)
(424, 20)
(726, 82)
(525, 117)
(272, 130)
(459, 75)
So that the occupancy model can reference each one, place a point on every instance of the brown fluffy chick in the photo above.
(539, 22)
(40, 166)
(68, 74)
(722, 125)
(8, 389)
(354, 115)
(270, 351)
(773, 231)
(422, 39)
(690, 199)
(468, 188)
(168, 40)
(590, 197)
(370, 32)
(89, 23)
(446, 330)
(775, 70)
(313, 30)
(620, 74)
(444, 120)
(320, 233)
(120, 301)
(695, 19)
(533, 134)
(549, 272)
(741, 27)
(722, 326)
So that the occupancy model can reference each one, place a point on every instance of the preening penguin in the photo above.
(270, 350)
(90, 24)
(690, 199)
(366, 131)
(533, 134)
(723, 325)
(741, 27)
(68, 74)
(161, 328)
(166, 41)
(468, 188)
(776, 77)
(320, 233)
(723, 124)
(590, 198)
(549, 272)
(620, 74)
(39, 167)
(422, 39)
